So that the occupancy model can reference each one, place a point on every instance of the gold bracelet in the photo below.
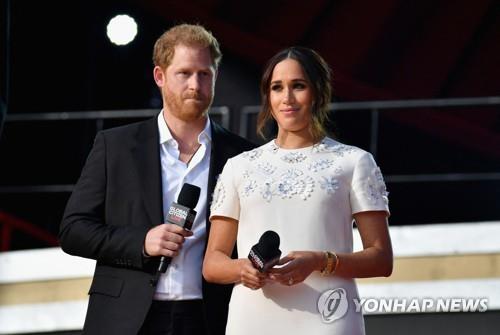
(337, 262)
(331, 265)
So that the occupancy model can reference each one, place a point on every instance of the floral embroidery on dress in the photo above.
(266, 168)
(248, 187)
(375, 187)
(342, 149)
(246, 174)
(290, 184)
(294, 157)
(327, 145)
(266, 190)
(286, 188)
(323, 146)
(252, 154)
(320, 164)
(378, 175)
(309, 188)
(330, 184)
(218, 196)
(292, 173)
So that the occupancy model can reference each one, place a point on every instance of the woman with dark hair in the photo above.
(309, 189)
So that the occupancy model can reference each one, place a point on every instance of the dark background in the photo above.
(57, 58)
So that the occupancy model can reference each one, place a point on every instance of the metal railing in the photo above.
(99, 116)
(374, 107)
(222, 114)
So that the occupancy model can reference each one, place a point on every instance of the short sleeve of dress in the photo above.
(368, 191)
(225, 200)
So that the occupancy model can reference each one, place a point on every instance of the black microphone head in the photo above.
(189, 195)
(269, 244)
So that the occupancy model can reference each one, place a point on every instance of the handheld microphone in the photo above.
(266, 254)
(182, 214)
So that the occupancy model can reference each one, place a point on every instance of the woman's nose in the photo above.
(288, 96)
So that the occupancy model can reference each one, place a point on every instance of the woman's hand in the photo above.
(218, 267)
(297, 266)
(250, 276)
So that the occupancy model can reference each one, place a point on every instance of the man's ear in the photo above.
(159, 76)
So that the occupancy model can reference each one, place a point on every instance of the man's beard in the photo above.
(194, 109)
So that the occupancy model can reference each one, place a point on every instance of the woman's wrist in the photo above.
(241, 263)
(321, 261)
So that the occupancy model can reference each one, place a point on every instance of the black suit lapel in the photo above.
(146, 155)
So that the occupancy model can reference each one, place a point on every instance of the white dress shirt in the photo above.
(183, 280)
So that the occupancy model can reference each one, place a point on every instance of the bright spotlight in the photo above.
(121, 29)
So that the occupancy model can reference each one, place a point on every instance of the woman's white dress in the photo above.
(308, 196)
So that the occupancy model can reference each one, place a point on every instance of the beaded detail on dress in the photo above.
(375, 187)
(301, 172)
(219, 195)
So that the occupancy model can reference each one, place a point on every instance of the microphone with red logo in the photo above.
(182, 214)
(266, 254)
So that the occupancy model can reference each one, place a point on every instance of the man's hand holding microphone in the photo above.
(166, 240)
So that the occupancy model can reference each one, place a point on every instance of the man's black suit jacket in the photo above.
(117, 199)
